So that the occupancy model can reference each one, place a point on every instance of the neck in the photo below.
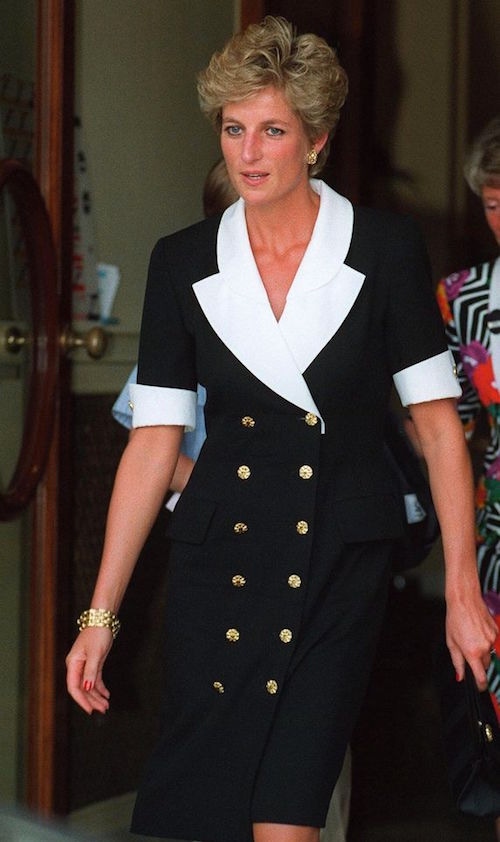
(294, 218)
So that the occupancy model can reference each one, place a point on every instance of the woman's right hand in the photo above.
(84, 665)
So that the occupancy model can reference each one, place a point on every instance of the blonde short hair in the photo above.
(482, 167)
(304, 67)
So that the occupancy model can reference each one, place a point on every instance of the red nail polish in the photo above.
(87, 685)
(457, 677)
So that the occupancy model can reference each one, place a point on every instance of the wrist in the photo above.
(99, 618)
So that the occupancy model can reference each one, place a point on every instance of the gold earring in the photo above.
(311, 157)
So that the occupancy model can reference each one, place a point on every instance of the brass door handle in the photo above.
(13, 338)
(95, 341)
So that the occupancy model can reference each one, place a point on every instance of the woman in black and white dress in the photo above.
(297, 312)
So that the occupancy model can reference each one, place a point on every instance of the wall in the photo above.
(148, 146)
(437, 83)
(419, 112)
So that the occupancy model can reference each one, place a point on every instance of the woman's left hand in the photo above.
(471, 632)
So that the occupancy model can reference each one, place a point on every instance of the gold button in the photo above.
(131, 405)
(311, 419)
(243, 472)
(239, 581)
(272, 686)
(455, 371)
(302, 527)
(248, 421)
(218, 686)
(285, 635)
(305, 472)
(232, 635)
(294, 581)
(239, 528)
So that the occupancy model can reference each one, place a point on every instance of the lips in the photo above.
(254, 176)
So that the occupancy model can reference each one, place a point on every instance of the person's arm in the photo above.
(470, 629)
(182, 470)
(144, 474)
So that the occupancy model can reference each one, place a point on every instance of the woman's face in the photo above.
(491, 205)
(264, 144)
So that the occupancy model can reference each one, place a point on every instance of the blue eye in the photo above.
(233, 131)
(274, 131)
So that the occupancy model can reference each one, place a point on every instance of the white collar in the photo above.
(324, 289)
(323, 257)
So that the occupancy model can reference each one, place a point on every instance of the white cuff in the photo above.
(154, 406)
(428, 380)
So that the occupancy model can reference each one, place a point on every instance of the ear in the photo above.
(320, 142)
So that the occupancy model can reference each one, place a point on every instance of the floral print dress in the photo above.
(471, 321)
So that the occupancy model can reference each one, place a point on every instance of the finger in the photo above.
(97, 701)
(480, 676)
(458, 662)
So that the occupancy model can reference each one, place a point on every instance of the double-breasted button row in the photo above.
(271, 686)
(247, 472)
(233, 635)
(305, 472)
(294, 581)
(302, 527)
(310, 418)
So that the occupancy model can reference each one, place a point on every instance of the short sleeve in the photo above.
(165, 392)
(421, 365)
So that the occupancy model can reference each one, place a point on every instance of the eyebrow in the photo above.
(271, 121)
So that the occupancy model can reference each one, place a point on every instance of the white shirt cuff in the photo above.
(428, 380)
(154, 406)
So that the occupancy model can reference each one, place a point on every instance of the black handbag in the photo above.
(471, 739)
(421, 526)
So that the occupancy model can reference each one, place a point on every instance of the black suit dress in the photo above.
(280, 543)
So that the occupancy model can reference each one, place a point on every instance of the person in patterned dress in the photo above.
(470, 305)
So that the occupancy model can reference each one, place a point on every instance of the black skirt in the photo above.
(256, 723)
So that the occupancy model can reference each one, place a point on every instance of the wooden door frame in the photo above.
(46, 739)
(251, 11)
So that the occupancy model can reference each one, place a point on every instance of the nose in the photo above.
(251, 149)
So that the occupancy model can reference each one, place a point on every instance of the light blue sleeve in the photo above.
(120, 410)
(191, 443)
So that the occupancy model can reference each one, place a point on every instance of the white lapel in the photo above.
(235, 302)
